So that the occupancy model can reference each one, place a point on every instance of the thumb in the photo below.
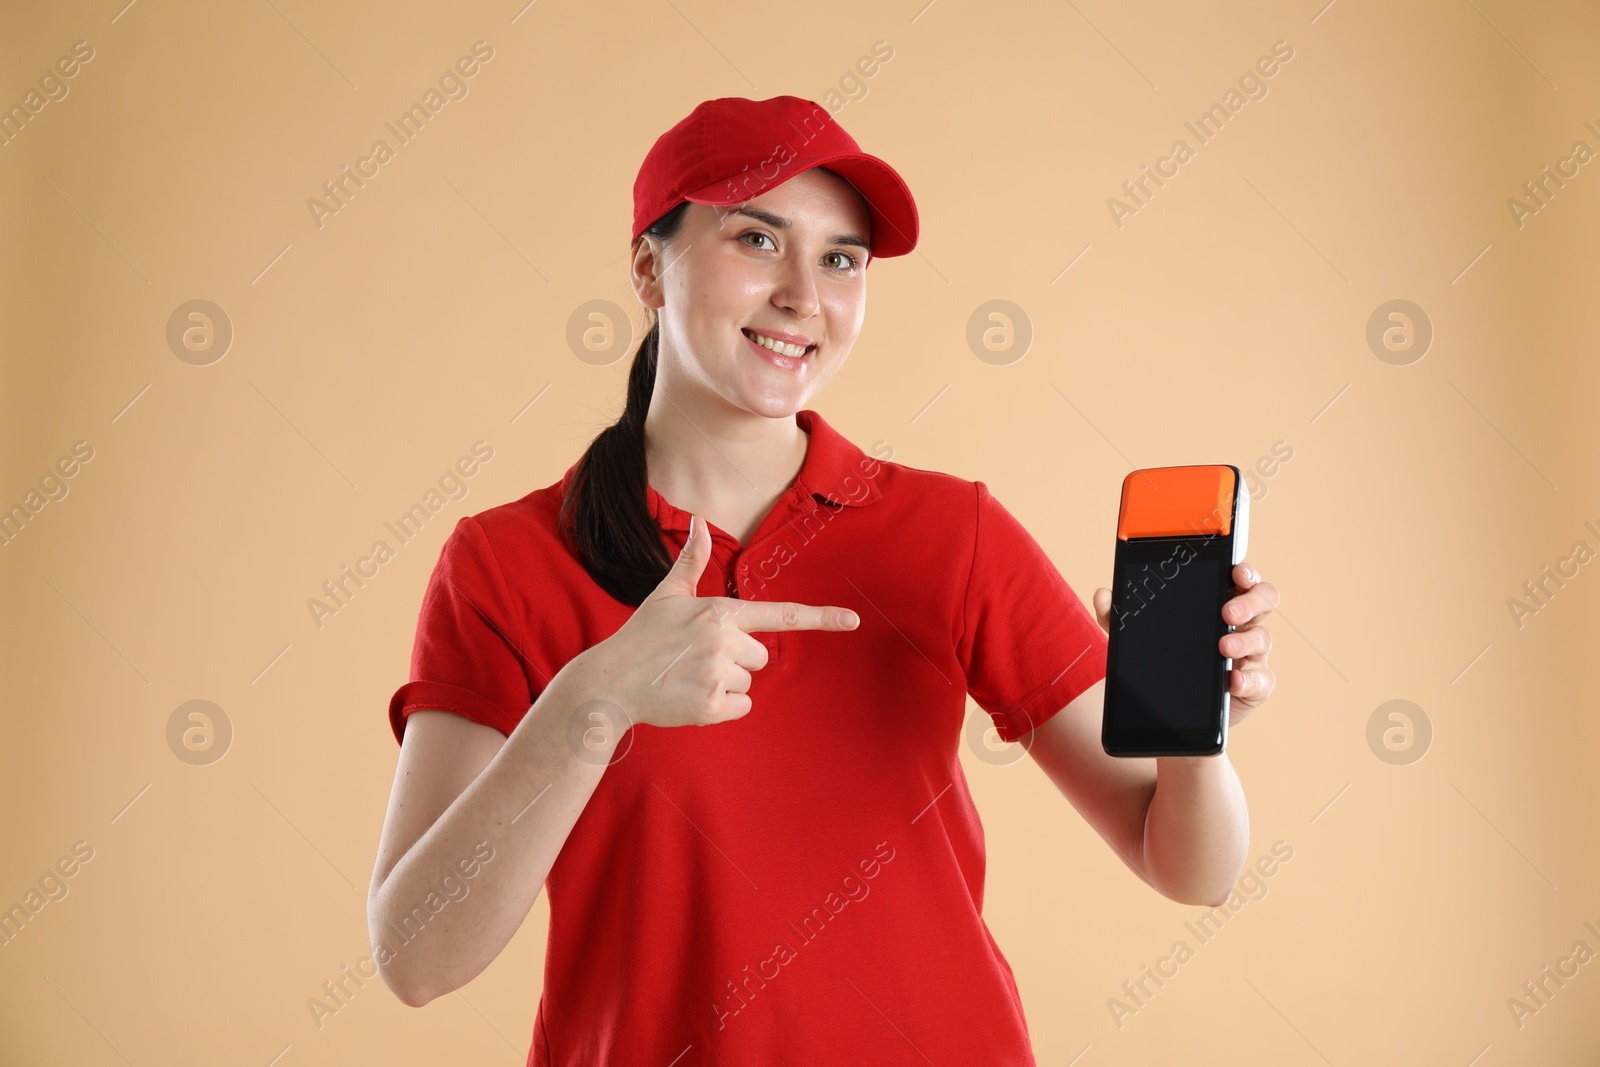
(683, 579)
(1102, 608)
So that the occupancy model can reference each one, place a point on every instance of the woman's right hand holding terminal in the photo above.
(684, 659)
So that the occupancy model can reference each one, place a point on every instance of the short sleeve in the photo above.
(1029, 646)
(466, 658)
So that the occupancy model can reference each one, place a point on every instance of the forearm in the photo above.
(1196, 830)
(524, 803)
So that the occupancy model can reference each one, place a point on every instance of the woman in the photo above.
(801, 881)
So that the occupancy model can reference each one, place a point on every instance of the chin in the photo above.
(772, 407)
(775, 396)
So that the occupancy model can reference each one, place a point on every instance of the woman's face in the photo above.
(786, 265)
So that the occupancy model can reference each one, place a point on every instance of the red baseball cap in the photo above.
(731, 150)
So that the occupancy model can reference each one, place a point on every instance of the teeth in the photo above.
(777, 346)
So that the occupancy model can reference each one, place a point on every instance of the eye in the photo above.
(850, 261)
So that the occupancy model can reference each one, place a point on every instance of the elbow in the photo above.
(1215, 895)
(1199, 896)
(1201, 890)
(405, 987)
(399, 974)
(410, 988)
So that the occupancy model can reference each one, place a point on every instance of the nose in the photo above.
(797, 289)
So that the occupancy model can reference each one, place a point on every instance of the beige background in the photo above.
(1227, 315)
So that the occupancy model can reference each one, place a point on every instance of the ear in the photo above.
(645, 270)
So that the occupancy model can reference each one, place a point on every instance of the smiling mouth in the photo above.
(788, 351)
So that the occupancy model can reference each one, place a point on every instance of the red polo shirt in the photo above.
(803, 885)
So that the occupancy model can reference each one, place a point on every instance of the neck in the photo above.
(707, 456)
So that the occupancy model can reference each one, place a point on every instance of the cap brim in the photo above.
(895, 224)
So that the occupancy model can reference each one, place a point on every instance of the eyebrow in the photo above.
(781, 223)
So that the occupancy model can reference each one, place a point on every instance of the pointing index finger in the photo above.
(767, 615)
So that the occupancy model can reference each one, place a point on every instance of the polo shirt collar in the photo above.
(834, 470)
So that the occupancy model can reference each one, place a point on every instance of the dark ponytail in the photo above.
(606, 512)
